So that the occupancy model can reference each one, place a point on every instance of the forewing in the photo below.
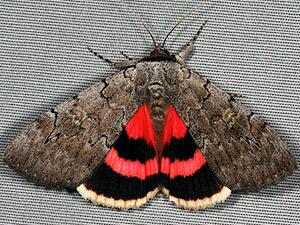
(64, 146)
(243, 151)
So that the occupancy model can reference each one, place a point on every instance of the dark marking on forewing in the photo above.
(54, 126)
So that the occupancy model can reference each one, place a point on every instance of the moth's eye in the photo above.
(171, 78)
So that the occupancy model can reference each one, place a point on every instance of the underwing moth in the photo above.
(154, 126)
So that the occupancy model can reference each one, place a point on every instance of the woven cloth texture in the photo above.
(247, 47)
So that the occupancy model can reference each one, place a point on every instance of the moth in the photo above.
(155, 126)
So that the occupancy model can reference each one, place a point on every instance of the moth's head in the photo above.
(159, 53)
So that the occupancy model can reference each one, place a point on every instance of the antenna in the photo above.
(142, 21)
(190, 12)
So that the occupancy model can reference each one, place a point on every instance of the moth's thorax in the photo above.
(157, 79)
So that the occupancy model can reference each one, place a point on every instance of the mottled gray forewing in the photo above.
(64, 146)
(244, 152)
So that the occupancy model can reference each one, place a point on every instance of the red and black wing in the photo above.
(185, 175)
(128, 177)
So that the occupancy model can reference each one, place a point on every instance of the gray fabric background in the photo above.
(248, 47)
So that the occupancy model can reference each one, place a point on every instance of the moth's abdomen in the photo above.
(157, 104)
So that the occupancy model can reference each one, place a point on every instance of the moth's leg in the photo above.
(126, 56)
(118, 65)
(125, 63)
(187, 49)
(236, 95)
